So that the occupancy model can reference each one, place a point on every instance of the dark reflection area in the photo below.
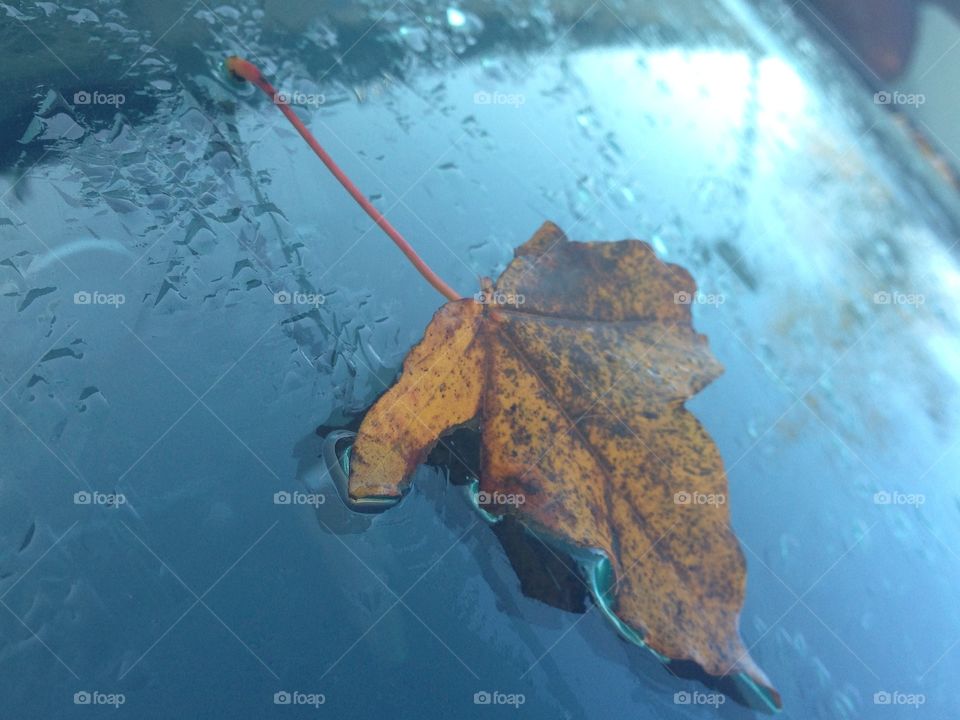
(545, 574)
(149, 53)
(877, 37)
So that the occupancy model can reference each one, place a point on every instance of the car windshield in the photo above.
(198, 321)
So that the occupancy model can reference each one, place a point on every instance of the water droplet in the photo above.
(455, 17)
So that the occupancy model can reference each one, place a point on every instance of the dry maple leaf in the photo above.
(579, 392)
(576, 367)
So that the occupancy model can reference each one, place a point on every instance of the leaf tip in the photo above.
(548, 235)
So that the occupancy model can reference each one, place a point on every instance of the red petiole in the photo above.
(246, 70)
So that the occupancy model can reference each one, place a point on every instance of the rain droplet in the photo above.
(455, 17)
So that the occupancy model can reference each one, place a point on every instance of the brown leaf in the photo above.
(577, 365)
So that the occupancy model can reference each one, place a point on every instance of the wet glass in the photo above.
(187, 295)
